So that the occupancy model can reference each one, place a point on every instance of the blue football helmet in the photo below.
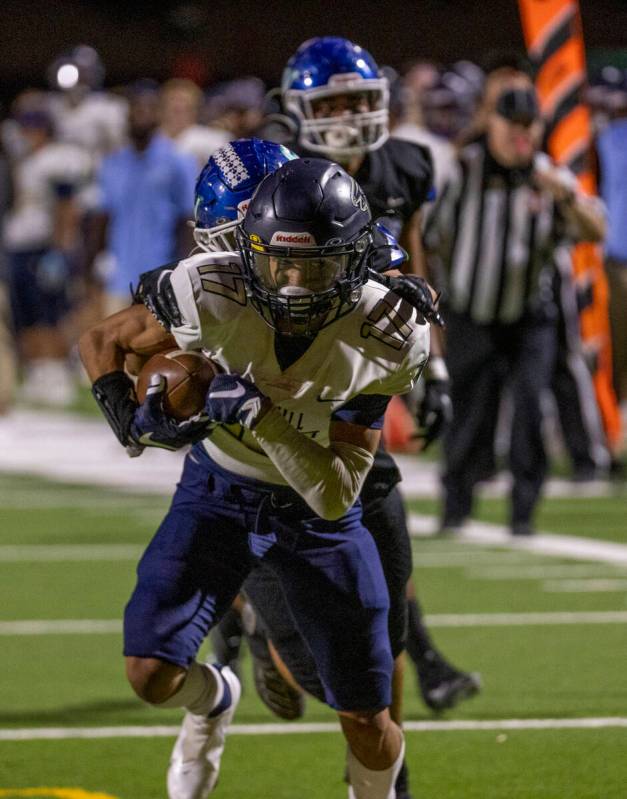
(322, 72)
(225, 186)
(305, 241)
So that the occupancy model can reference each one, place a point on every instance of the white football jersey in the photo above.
(379, 347)
(37, 177)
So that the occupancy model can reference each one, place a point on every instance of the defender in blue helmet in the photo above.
(340, 98)
(225, 186)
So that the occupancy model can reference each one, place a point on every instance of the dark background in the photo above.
(222, 39)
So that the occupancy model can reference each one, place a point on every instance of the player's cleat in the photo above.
(274, 691)
(443, 686)
(195, 761)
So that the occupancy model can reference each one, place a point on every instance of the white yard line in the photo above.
(543, 572)
(114, 626)
(167, 731)
(27, 553)
(584, 586)
(61, 627)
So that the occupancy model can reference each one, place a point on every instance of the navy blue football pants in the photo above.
(219, 526)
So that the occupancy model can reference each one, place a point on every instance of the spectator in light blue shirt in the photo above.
(147, 194)
(612, 150)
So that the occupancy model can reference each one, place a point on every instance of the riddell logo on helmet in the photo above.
(243, 206)
(293, 239)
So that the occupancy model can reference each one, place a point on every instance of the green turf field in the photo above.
(68, 553)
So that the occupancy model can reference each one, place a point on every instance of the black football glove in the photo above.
(115, 394)
(435, 412)
(156, 292)
(414, 290)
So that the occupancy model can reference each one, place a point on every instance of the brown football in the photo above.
(187, 378)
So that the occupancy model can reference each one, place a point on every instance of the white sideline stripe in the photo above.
(60, 552)
(562, 546)
(63, 733)
(109, 626)
(584, 586)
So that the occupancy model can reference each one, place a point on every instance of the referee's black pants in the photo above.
(482, 360)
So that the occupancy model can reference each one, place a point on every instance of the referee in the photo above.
(495, 229)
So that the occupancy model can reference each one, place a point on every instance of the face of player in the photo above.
(343, 105)
(513, 143)
(299, 276)
(296, 282)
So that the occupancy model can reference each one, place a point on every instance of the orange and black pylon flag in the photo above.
(554, 39)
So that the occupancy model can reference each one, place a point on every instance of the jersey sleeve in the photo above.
(194, 308)
(209, 292)
(365, 410)
(404, 373)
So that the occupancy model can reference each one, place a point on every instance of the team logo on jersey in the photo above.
(296, 239)
(358, 198)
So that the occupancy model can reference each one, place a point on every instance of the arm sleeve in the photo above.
(328, 479)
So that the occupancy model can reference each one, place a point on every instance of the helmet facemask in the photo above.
(359, 129)
(298, 291)
(220, 237)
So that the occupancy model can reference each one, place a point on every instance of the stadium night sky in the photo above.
(231, 37)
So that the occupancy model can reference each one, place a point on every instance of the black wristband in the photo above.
(115, 394)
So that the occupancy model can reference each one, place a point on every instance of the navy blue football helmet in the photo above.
(305, 241)
(225, 186)
(320, 73)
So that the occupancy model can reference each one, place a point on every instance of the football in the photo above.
(187, 378)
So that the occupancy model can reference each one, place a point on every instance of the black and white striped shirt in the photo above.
(495, 234)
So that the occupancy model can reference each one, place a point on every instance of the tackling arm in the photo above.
(134, 330)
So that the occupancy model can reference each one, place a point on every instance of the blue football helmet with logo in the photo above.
(339, 96)
(306, 240)
(225, 186)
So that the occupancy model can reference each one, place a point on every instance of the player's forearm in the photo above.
(328, 479)
(100, 352)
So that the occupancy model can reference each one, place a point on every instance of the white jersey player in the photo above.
(311, 352)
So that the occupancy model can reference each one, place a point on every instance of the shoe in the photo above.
(451, 526)
(195, 761)
(273, 690)
(443, 686)
(522, 529)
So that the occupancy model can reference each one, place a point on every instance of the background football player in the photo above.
(336, 101)
(311, 353)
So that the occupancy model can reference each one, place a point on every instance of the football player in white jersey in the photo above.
(311, 351)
